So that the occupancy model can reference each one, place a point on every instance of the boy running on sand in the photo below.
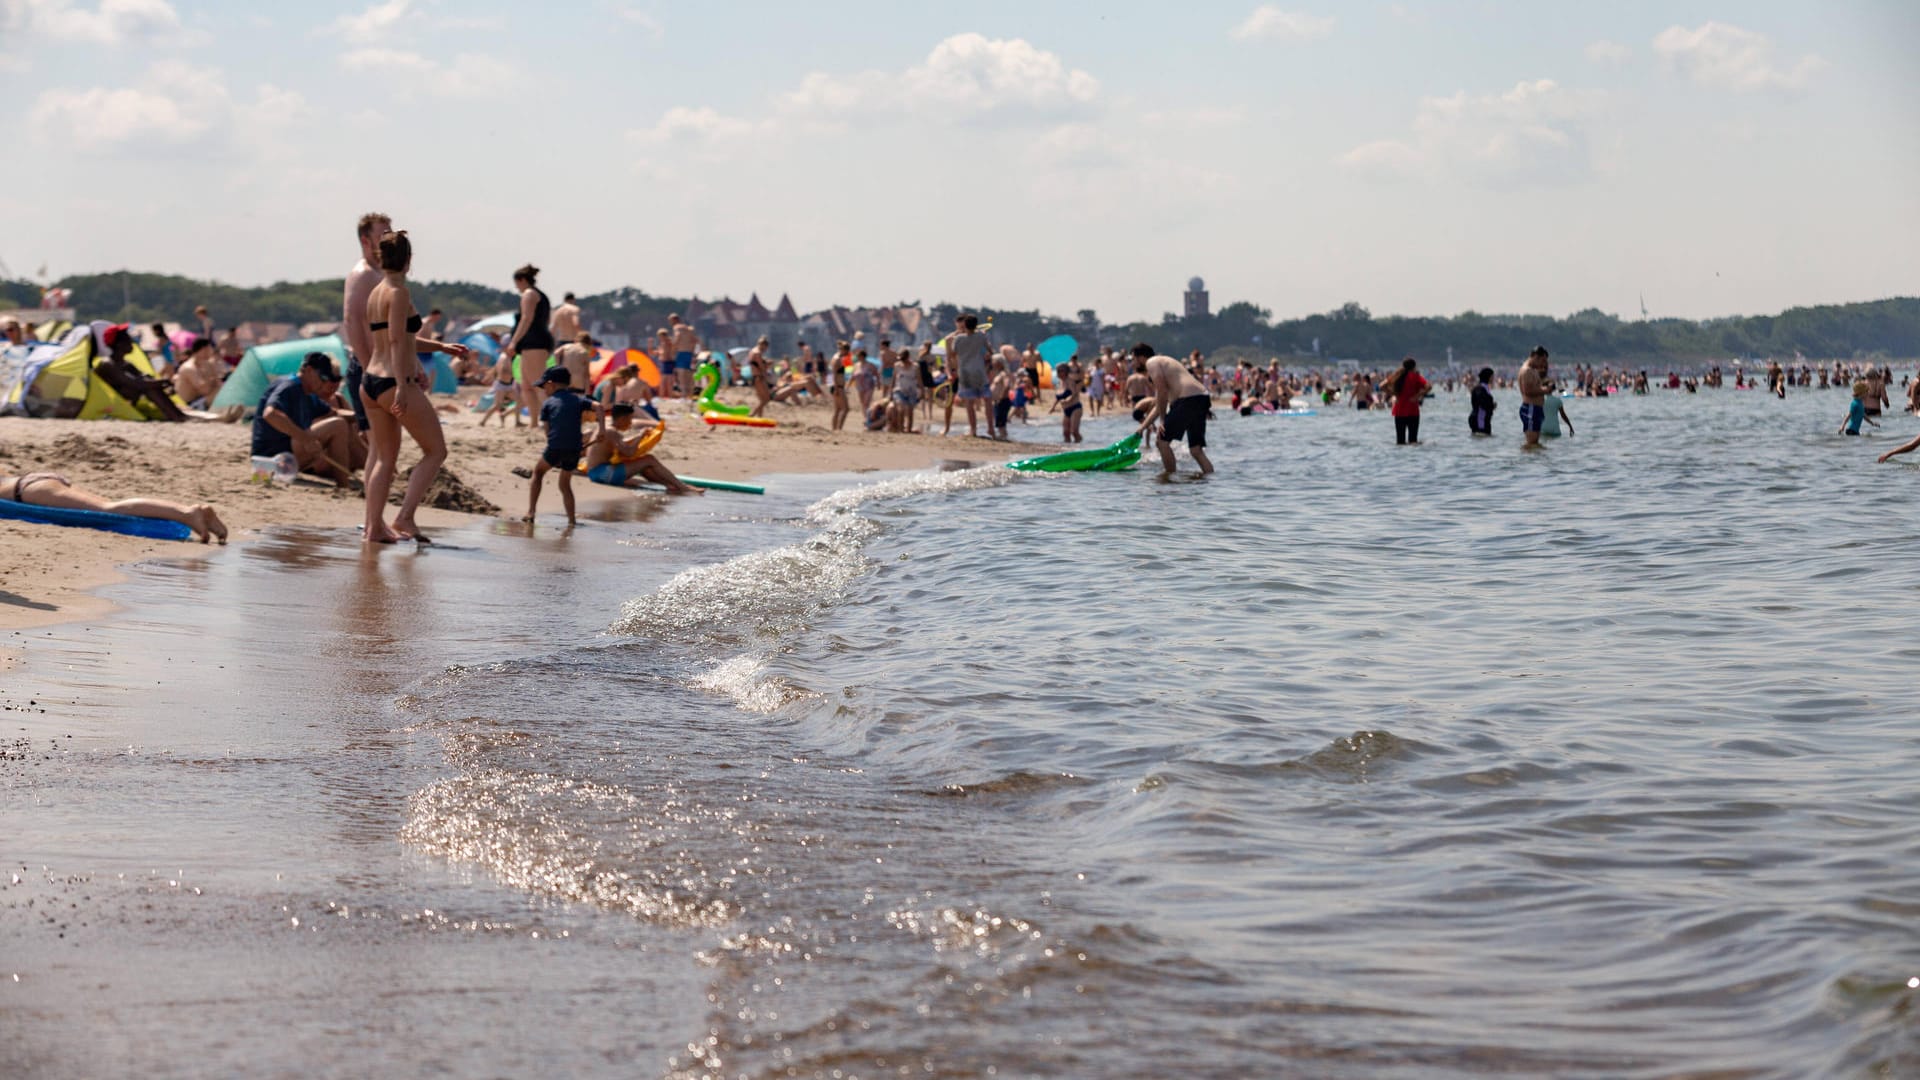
(561, 413)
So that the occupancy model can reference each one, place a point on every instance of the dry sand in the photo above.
(49, 573)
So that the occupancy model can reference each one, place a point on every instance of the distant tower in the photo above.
(1197, 306)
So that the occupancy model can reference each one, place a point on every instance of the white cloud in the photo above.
(699, 128)
(1194, 119)
(642, 20)
(374, 25)
(1534, 133)
(1725, 56)
(1609, 53)
(966, 77)
(173, 105)
(110, 22)
(469, 75)
(1270, 23)
(1090, 172)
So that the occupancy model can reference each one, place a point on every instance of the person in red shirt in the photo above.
(1409, 389)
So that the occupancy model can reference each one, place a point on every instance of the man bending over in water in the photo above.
(1182, 401)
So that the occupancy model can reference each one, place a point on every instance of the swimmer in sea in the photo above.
(1480, 421)
(1067, 403)
(1533, 396)
(1857, 412)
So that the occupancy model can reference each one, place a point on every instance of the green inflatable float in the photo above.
(1119, 457)
(708, 376)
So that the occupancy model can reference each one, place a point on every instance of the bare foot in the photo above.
(407, 530)
(382, 535)
(205, 523)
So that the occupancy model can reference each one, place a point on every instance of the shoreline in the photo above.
(51, 575)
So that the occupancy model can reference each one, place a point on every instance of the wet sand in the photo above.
(228, 818)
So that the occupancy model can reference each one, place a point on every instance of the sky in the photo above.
(1419, 158)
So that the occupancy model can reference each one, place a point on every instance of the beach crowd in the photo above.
(347, 426)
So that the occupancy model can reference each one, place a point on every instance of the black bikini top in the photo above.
(413, 325)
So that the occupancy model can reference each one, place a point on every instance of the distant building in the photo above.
(727, 325)
(1197, 305)
(864, 327)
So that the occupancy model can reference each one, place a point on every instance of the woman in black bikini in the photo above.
(532, 339)
(394, 392)
(52, 489)
(1067, 401)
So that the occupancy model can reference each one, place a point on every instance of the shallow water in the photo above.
(1351, 761)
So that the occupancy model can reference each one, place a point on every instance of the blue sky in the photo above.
(1417, 157)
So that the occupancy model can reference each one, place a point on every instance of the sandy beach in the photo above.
(207, 462)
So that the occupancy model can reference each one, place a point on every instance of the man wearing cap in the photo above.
(294, 417)
(130, 382)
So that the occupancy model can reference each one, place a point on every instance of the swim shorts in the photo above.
(1001, 410)
(683, 361)
(1187, 419)
(609, 474)
(971, 393)
(564, 460)
(908, 398)
(1532, 416)
(354, 374)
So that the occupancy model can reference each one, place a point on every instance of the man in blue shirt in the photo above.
(294, 417)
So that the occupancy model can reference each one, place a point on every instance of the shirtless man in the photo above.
(1533, 395)
(1182, 401)
(353, 307)
(614, 458)
(200, 375)
(565, 321)
(128, 381)
(967, 351)
(576, 355)
(685, 343)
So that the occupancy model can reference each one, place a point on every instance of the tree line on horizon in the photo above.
(1880, 329)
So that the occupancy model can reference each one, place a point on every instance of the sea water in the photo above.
(1351, 760)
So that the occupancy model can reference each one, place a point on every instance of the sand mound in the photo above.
(77, 449)
(448, 492)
